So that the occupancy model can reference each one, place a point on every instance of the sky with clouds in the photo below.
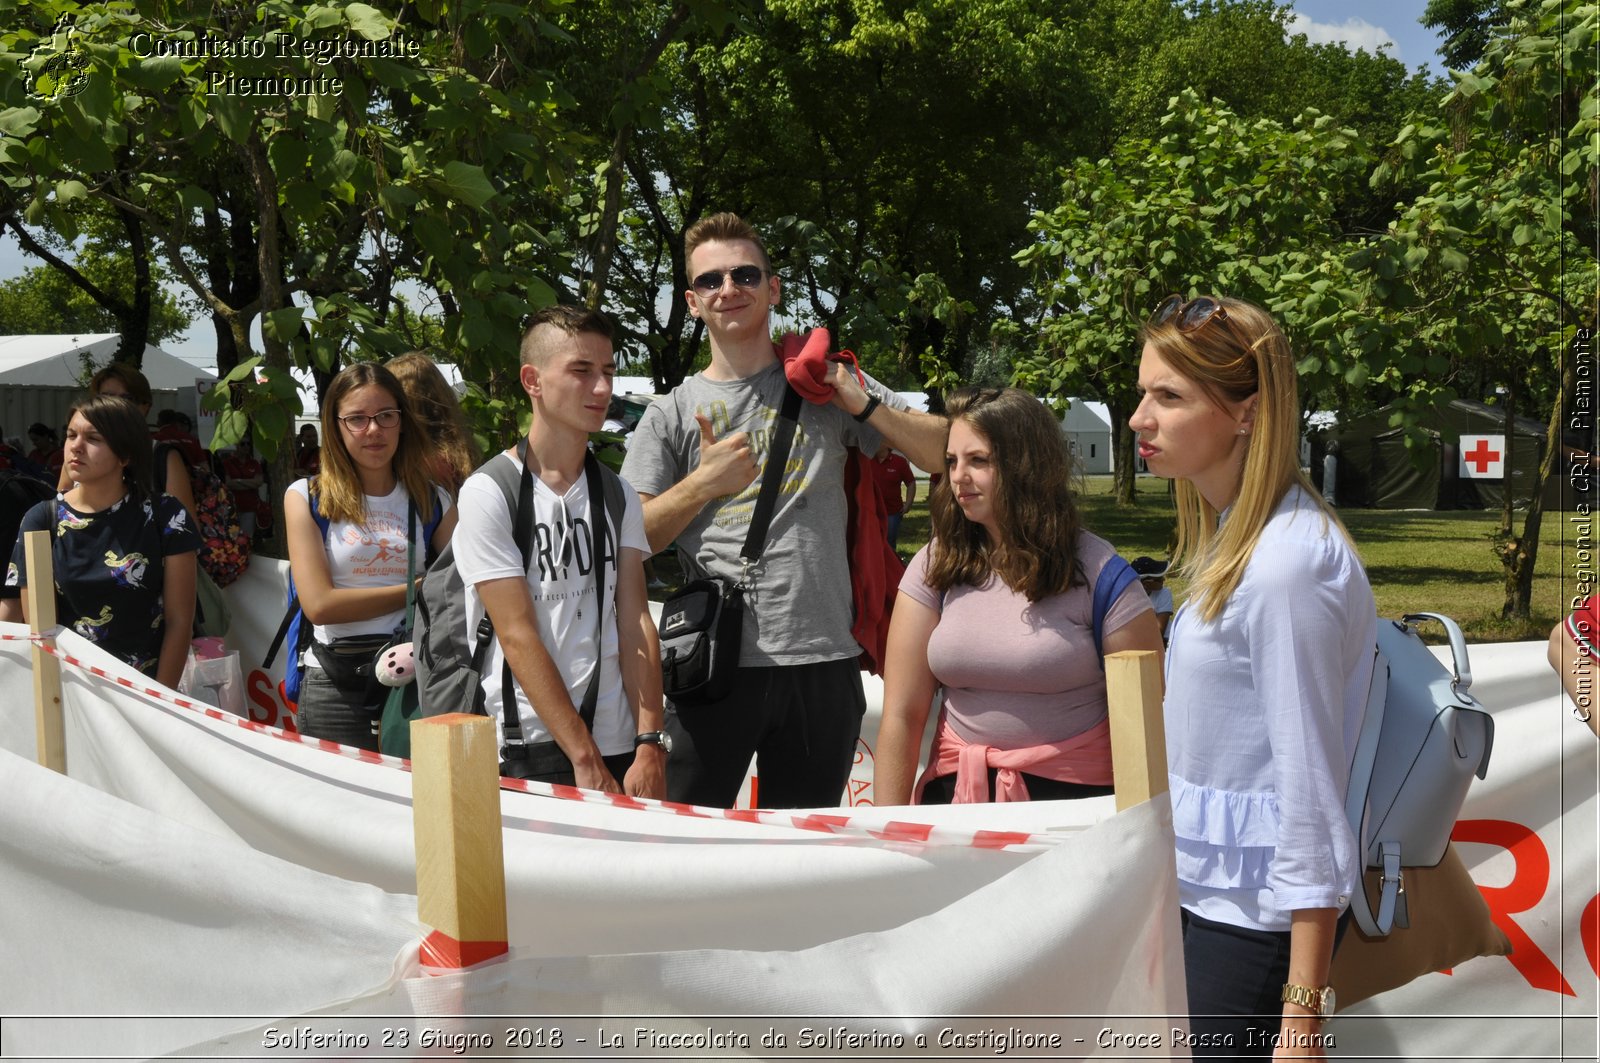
(1369, 24)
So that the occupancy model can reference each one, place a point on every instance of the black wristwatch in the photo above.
(654, 738)
(866, 411)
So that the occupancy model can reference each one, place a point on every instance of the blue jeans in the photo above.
(894, 530)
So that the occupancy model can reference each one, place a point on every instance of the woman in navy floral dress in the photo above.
(124, 557)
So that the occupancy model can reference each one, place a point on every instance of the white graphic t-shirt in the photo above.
(560, 577)
(372, 555)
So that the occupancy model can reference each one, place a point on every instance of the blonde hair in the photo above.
(1230, 360)
(437, 407)
(337, 488)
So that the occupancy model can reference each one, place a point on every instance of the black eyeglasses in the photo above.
(356, 423)
(744, 276)
(1190, 314)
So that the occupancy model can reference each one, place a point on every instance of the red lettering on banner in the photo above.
(1528, 883)
(262, 696)
(1589, 928)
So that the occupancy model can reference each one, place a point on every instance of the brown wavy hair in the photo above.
(1032, 501)
(337, 488)
(437, 407)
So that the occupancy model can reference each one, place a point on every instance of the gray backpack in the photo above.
(449, 661)
(1422, 741)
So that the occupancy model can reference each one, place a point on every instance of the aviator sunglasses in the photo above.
(743, 276)
(1189, 314)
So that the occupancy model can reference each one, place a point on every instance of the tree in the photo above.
(1495, 261)
(1467, 27)
(332, 152)
(44, 300)
(1219, 203)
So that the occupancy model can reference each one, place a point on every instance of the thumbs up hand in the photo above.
(727, 466)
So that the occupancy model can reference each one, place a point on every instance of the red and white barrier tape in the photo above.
(835, 824)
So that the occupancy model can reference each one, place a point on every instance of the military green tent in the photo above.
(1376, 470)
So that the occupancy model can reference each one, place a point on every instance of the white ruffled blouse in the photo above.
(1263, 708)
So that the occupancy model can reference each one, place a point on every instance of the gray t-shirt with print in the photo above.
(798, 610)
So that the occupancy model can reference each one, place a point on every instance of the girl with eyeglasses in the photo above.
(1267, 672)
(376, 497)
(124, 555)
(996, 615)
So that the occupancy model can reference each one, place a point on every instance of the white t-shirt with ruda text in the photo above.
(372, 554)
(561, 580)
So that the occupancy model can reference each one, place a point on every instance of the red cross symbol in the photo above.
(1480, 457)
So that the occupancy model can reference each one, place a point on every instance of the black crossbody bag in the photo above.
(702, 625)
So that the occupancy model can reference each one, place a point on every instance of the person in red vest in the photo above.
(244, 475)
(899, 486)
(47, 452)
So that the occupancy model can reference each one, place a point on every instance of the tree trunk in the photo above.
(605, 239)
(135, 323)
(1122, 452)
(1520, 597)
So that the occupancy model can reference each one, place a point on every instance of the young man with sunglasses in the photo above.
(697, 459)
(544, 618)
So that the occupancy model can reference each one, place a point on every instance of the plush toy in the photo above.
(396, 665)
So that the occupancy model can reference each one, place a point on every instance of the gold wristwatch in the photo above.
(1319, 1000)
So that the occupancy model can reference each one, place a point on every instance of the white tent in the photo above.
(1087, 426)
(41, 376)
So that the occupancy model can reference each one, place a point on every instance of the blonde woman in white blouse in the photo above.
(1267, 672)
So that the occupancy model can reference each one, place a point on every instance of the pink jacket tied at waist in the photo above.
(1085, 758)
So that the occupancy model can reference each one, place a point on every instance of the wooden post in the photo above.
(1138, 735)
(40, 599)
(455, 809)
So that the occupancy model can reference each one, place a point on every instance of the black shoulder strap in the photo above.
(755, 541)
(597, 541)
(522, 535)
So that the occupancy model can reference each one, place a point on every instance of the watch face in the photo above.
(666, 741)
(1328, 1002)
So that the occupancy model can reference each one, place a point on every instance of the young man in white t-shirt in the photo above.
(544, 619)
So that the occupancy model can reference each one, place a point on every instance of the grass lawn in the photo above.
(1438, 562)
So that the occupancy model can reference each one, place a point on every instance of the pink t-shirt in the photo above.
(1017, 673)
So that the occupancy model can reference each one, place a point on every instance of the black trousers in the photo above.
(1235, 978)
(801, 722)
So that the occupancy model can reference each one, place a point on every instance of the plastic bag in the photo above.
(216, 681)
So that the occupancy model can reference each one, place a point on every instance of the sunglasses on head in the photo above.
(1188, 315)
(743, 276)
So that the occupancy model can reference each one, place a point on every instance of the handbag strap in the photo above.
(755, 541)
(411, 562)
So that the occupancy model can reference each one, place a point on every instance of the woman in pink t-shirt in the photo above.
(997, 611)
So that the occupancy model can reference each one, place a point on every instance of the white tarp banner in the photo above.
(995, 911)
(756, 918)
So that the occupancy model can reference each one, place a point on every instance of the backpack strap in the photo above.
(1355, 806)
(294, 598)
(1114, 578)
(522, 535)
